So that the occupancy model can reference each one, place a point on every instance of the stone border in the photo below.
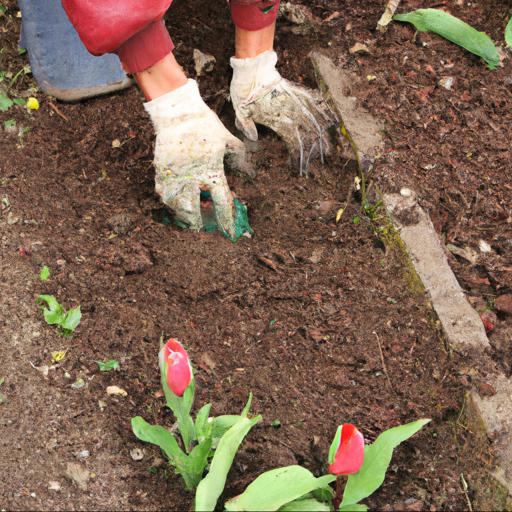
(489, 417)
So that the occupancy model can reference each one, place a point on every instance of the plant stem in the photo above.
(336, 502)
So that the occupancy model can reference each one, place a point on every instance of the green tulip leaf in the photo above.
(201, 424)
(277, 488)
(377, 458)
(356, 507)
(159, 436)
(508, 33)
(211, 487)
(191, 467)
(306, 505)
(455, 30)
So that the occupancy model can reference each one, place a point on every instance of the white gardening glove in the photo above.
(191, 143)
(300, 116)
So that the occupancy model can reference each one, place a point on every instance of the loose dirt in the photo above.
(295, 314)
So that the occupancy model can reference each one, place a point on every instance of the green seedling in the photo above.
(9, 125)
(108, 365)
(5, 102)
(55, 314)
(44, 275)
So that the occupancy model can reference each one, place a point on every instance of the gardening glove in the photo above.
(191, 143)
(300, 116)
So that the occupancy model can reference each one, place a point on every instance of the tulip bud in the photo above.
(346, 455)
(179, 370)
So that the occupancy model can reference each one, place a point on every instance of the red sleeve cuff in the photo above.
(145, 48)
(254, 16)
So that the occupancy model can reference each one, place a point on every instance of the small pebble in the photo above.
(136, 454)
(484, 246)
(447, 82)
(53, 485)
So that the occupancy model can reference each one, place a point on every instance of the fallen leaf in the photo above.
(54, 486)
(333, 16)
(206, 363)
(116, 390)
(359, 48)
(317, 255)
(58, 355)
(78, 474)
(464, 252)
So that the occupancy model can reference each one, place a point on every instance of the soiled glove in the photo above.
(191, 143)
(300, 116)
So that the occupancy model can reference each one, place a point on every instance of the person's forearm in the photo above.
(251, 43)
(163, 77)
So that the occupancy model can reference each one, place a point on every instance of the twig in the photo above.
(465, 490)
(383, 362)
(386, 18)
(58, 111)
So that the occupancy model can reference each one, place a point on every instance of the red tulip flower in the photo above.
(179, 370)
(346, 455)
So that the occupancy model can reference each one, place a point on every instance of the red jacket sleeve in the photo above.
(104, 25)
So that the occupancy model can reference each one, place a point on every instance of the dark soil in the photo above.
(87, 211)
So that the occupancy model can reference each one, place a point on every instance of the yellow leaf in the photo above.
(339, 214)
(58, 355)
(32, 103)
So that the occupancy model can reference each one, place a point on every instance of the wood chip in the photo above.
(267, 262)
(116, 390)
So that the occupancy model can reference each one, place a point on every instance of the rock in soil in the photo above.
(503, 304)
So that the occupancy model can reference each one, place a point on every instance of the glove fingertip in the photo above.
(248, 128)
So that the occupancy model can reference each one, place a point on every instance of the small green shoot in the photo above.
(22, 51)
(108, 365)
(9, 124)
(356, 220)
(44, 275)
(20, 101)
(55, 314)
(5, 102)
(275, 423)
(2, 9)
(372, 209)
(78, 384)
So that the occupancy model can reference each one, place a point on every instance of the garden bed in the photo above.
(298, 314)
